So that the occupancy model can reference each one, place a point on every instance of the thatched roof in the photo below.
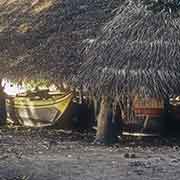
(42, 37)
(138, 52)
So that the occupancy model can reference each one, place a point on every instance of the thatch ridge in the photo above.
(138, 52)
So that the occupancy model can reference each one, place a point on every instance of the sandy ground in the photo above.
(42, 154)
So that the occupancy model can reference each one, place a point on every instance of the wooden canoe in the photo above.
(37, 111)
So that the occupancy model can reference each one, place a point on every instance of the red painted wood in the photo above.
(151, 112)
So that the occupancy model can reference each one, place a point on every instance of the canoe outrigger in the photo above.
(38, 109)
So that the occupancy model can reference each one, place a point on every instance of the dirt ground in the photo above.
(48, 154)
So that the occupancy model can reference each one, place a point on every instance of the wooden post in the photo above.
(81, 99)
(166, 121)
(3, 114)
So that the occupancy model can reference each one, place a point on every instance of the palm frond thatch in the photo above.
(42, 37)
(138, 52)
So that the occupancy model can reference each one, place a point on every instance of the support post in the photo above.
(3, 114)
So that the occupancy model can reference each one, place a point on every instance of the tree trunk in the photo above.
(105, 127)
(3, 115)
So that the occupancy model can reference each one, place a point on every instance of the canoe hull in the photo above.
(37, 112)
(147, 115)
